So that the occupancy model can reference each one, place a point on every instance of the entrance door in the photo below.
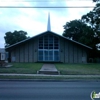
(45, 55)
(48, 55)
(51, 55)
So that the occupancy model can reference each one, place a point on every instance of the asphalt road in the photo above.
(28, 90)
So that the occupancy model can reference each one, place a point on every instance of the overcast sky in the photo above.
(34, 20)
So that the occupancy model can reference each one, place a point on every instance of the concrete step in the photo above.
(48, 69)
(49, 72)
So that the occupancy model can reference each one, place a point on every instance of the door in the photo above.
(45, 55)
(48, 55)
(51, 55)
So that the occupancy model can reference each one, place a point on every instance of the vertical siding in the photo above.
(62, 51)
(79, 55)
(26, 52)
(31, 51)
(21, 53)
(84, 56)
(12, 53)
(75, 54)
(13, 56)
(35, 50)
(66, 52)
(70, 52)
(17, 55)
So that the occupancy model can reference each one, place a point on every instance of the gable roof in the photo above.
(46, 33)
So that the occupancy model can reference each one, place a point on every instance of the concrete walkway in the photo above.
(48, 69)
(74, 76)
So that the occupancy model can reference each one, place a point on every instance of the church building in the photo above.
(48, 47)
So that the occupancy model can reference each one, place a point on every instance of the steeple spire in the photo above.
(48, 24)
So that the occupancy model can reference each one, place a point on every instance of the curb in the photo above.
(53, 80)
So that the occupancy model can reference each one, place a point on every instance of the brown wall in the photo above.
(25, 52)
(70, 52)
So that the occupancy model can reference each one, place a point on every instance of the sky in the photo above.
(34, 20)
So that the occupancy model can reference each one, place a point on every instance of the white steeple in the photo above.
(48, 24)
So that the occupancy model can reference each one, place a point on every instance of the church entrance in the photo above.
(48, 49)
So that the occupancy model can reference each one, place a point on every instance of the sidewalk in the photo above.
(48, 69)
(74, 76)
(48, 78)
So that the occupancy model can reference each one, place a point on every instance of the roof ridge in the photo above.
(53, 33)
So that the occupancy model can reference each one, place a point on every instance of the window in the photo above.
(48, 42)
(40, 55)
(48, 48)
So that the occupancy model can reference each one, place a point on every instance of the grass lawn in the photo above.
(23, 68)
(81, 69)
(65, 69)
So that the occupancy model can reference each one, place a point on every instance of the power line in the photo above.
(41, 0)
(46, 7)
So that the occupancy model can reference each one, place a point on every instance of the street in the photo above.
(30, 90)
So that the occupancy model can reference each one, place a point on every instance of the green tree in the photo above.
(14, 37)
(95, 0)
(93, 19)
(79, 31)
